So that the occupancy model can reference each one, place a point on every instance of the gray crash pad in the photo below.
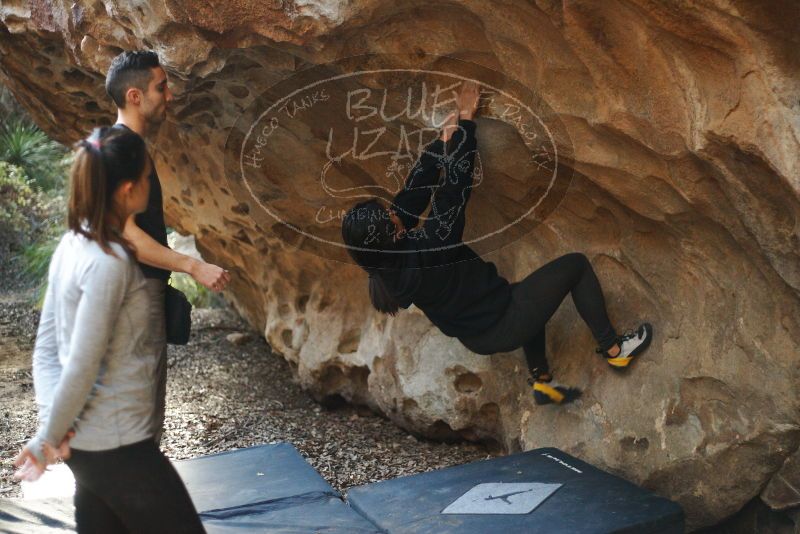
(544, 490)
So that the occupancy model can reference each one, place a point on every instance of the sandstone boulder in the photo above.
(684, 123)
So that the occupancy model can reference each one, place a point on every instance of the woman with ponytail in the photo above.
(94, 377)
(430, 266)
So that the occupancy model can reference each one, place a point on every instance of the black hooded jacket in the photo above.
(458, 291)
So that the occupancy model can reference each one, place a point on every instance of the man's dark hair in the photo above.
(129, 69)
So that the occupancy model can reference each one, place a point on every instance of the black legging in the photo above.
(131, 489)
(535, 299)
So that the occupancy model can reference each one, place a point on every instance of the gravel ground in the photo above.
(223, 396)
(18, 322)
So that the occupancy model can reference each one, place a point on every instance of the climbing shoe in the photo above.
(541, 374)
(631, 344)
(552, 393)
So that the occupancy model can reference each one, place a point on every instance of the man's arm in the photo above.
(151, 252)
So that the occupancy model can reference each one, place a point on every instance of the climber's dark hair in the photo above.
(368, 232)
(129, 69)
(104, 161)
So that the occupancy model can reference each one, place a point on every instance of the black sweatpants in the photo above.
(535, 299)
(130, 489)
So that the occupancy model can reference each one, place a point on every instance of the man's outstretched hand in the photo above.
(209, 275)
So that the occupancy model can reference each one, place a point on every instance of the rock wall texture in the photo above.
(685, 121)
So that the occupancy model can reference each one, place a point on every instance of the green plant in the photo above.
(24, 145)
(18, 207)
(30, 222)
(36, 264)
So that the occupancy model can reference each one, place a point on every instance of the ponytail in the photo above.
(88, 202)
(102, 163)
(379, 295)
(369, 233)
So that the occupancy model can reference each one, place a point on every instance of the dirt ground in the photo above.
(223, 396)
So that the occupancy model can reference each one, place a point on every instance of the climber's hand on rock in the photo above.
(467, 99)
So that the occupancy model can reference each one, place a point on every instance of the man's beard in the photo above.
(153, 122)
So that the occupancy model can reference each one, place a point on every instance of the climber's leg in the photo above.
(545, 289)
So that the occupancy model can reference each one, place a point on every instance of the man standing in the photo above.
(137, 84)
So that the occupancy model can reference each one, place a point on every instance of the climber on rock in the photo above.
(430, 266)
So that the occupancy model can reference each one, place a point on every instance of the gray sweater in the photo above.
(91, 369)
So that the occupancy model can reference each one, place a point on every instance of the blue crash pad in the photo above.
(268, 488)
(271, 488)
(544, 490)
(324, 514)
(249, 476)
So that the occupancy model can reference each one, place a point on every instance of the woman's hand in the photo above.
(467, 99)
(62, 452)
(30, 468)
